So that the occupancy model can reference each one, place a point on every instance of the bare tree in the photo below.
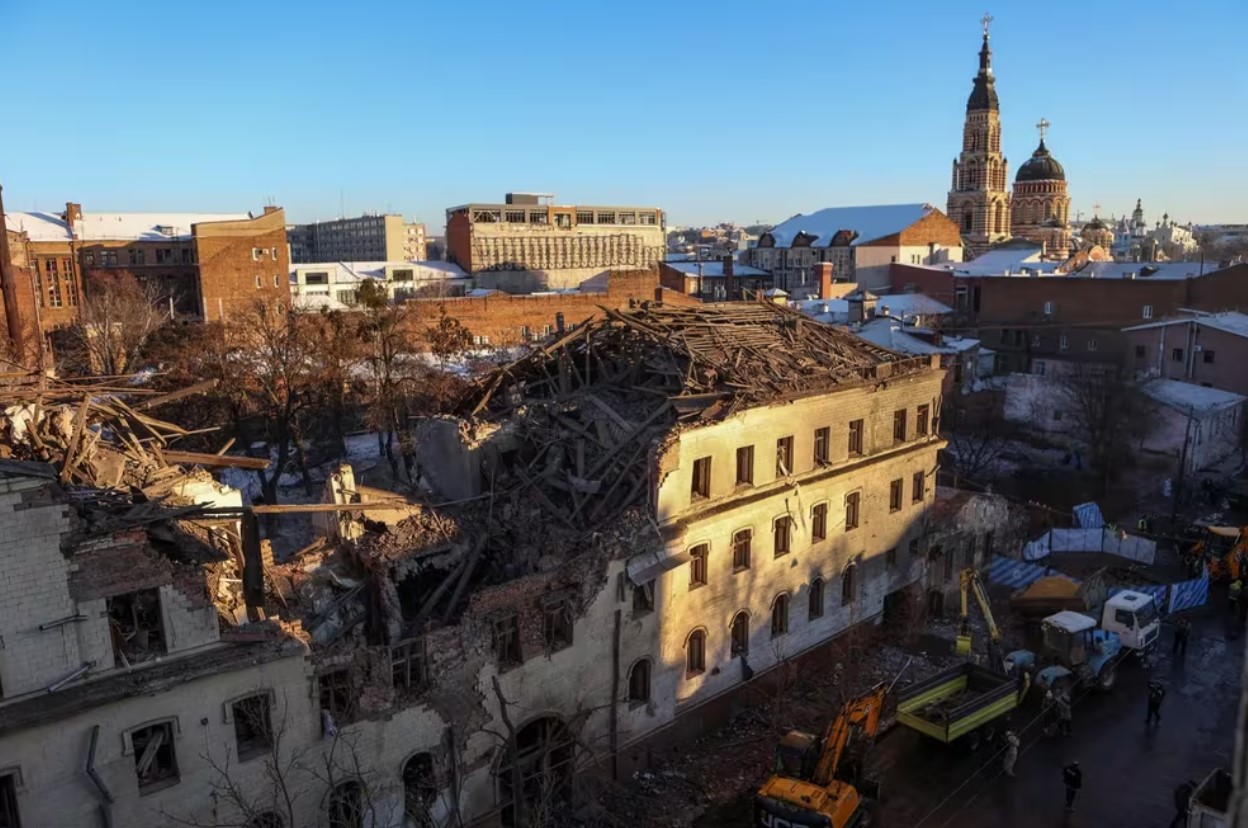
(448, 336)
(977, 431)
(1108, 415)
(118, 316)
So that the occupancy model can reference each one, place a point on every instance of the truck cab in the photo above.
(1075, 648)
(1134, 617)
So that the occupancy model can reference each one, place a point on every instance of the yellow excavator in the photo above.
(970, 583)
(819, 781)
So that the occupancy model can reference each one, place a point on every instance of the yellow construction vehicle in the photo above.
(1220, 549)
(819, 781)
(969, 581)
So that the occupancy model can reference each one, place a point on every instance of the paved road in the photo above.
(1130, 771)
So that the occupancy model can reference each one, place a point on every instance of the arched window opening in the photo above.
(420, 787)
(346, 805)
(780, 615)
(741, 634)
(639, 682)
(534, 782)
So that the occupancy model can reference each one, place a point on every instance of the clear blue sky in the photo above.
(711, 110)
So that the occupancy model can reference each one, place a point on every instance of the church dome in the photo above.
(1042, 166)
(1095, 224)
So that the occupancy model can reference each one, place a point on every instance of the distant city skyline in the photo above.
(712, 116)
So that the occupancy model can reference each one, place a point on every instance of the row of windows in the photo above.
(55, 286)
(257, 252)
(700, 480)
(1019, 338)
(1178, 354)
(277, 281)
(564, 219)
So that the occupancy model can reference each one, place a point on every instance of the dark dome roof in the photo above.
(1042, 166)
(1095, 224)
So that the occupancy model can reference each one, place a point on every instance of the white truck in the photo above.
(1134, 616)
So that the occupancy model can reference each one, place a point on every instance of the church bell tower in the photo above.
(978, 199)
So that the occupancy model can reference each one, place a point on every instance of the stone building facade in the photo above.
(978, 200)
(528, 244)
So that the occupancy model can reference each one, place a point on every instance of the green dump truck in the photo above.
(966, 705)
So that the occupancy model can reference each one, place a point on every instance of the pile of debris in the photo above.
(587, 409)
(98, 433)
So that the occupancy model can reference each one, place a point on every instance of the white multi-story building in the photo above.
(336, 285)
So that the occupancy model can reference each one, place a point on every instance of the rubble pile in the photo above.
(97, 433)
(588, 408)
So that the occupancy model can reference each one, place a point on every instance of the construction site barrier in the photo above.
(1101, 539)
(1187, 595)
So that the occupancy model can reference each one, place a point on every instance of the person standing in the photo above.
(1156, 693)
(1065, 718)
(1182, 798)
(1072, 777)
(1181, 633)
(1011, 753)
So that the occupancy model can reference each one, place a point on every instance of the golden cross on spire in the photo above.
(1043, 126)
(987, 19)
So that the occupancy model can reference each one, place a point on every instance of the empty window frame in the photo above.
(899, 426)
(784, 456)
(853, 501)
(918, 485)
(815, 610)
(135, 626)
(823, 446)
(1177, 355)
(155, 759)
(584, 216)
(700, 483)
(9, 818)
(855, 438)
(780, 615)
(740, 634)
(895, 494)
(818, 522)
(556, 622)
(337, 694)
(506, 633)
(514, 216)
(252, 718)
(741, 543)
(409, 667)
(643, 598)
(922, 417)
(849, 585)
(695, 653)
(639, 682)
(1207, 357)
(890, 558)
(745, 466)
(782, 528)
(697, 565)
(420, 788)
(346, 805)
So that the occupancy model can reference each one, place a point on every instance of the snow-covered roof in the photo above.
(1008, 258)
(1151, 271)
(1230, 322)
(869, 222)
(830, 311)
(910, 304)
(1071, 621)
(115, 226)
(888, 333)
(1187, 396)
(344, 272)
(714, 269)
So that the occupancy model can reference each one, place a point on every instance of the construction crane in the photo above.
(818, 781)
(969, 581)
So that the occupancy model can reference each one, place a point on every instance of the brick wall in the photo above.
(459, 240)
(501, 317)
(237, 267)
(1220, 362)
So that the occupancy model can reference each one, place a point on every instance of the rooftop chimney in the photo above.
(823, 275)
(73, 215)
(271, 208)
(730, 282)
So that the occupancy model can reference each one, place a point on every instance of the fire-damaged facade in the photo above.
(623, 525)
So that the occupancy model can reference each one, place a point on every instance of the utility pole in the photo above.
(1178, 484)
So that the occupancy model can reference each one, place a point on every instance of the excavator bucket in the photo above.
(963, 645)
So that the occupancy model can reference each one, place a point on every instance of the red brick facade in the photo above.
(241, 262)
(502, 318)
(1067, 318)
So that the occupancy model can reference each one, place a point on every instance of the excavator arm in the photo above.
(970, 584)
(859, 721)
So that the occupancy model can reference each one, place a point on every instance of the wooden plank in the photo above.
(190, 390)
(202, 459)
(299, 508)
(80, 424)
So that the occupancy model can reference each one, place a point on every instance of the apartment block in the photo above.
(367, 238)
(528, 243)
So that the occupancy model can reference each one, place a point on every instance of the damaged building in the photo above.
(623, 526)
